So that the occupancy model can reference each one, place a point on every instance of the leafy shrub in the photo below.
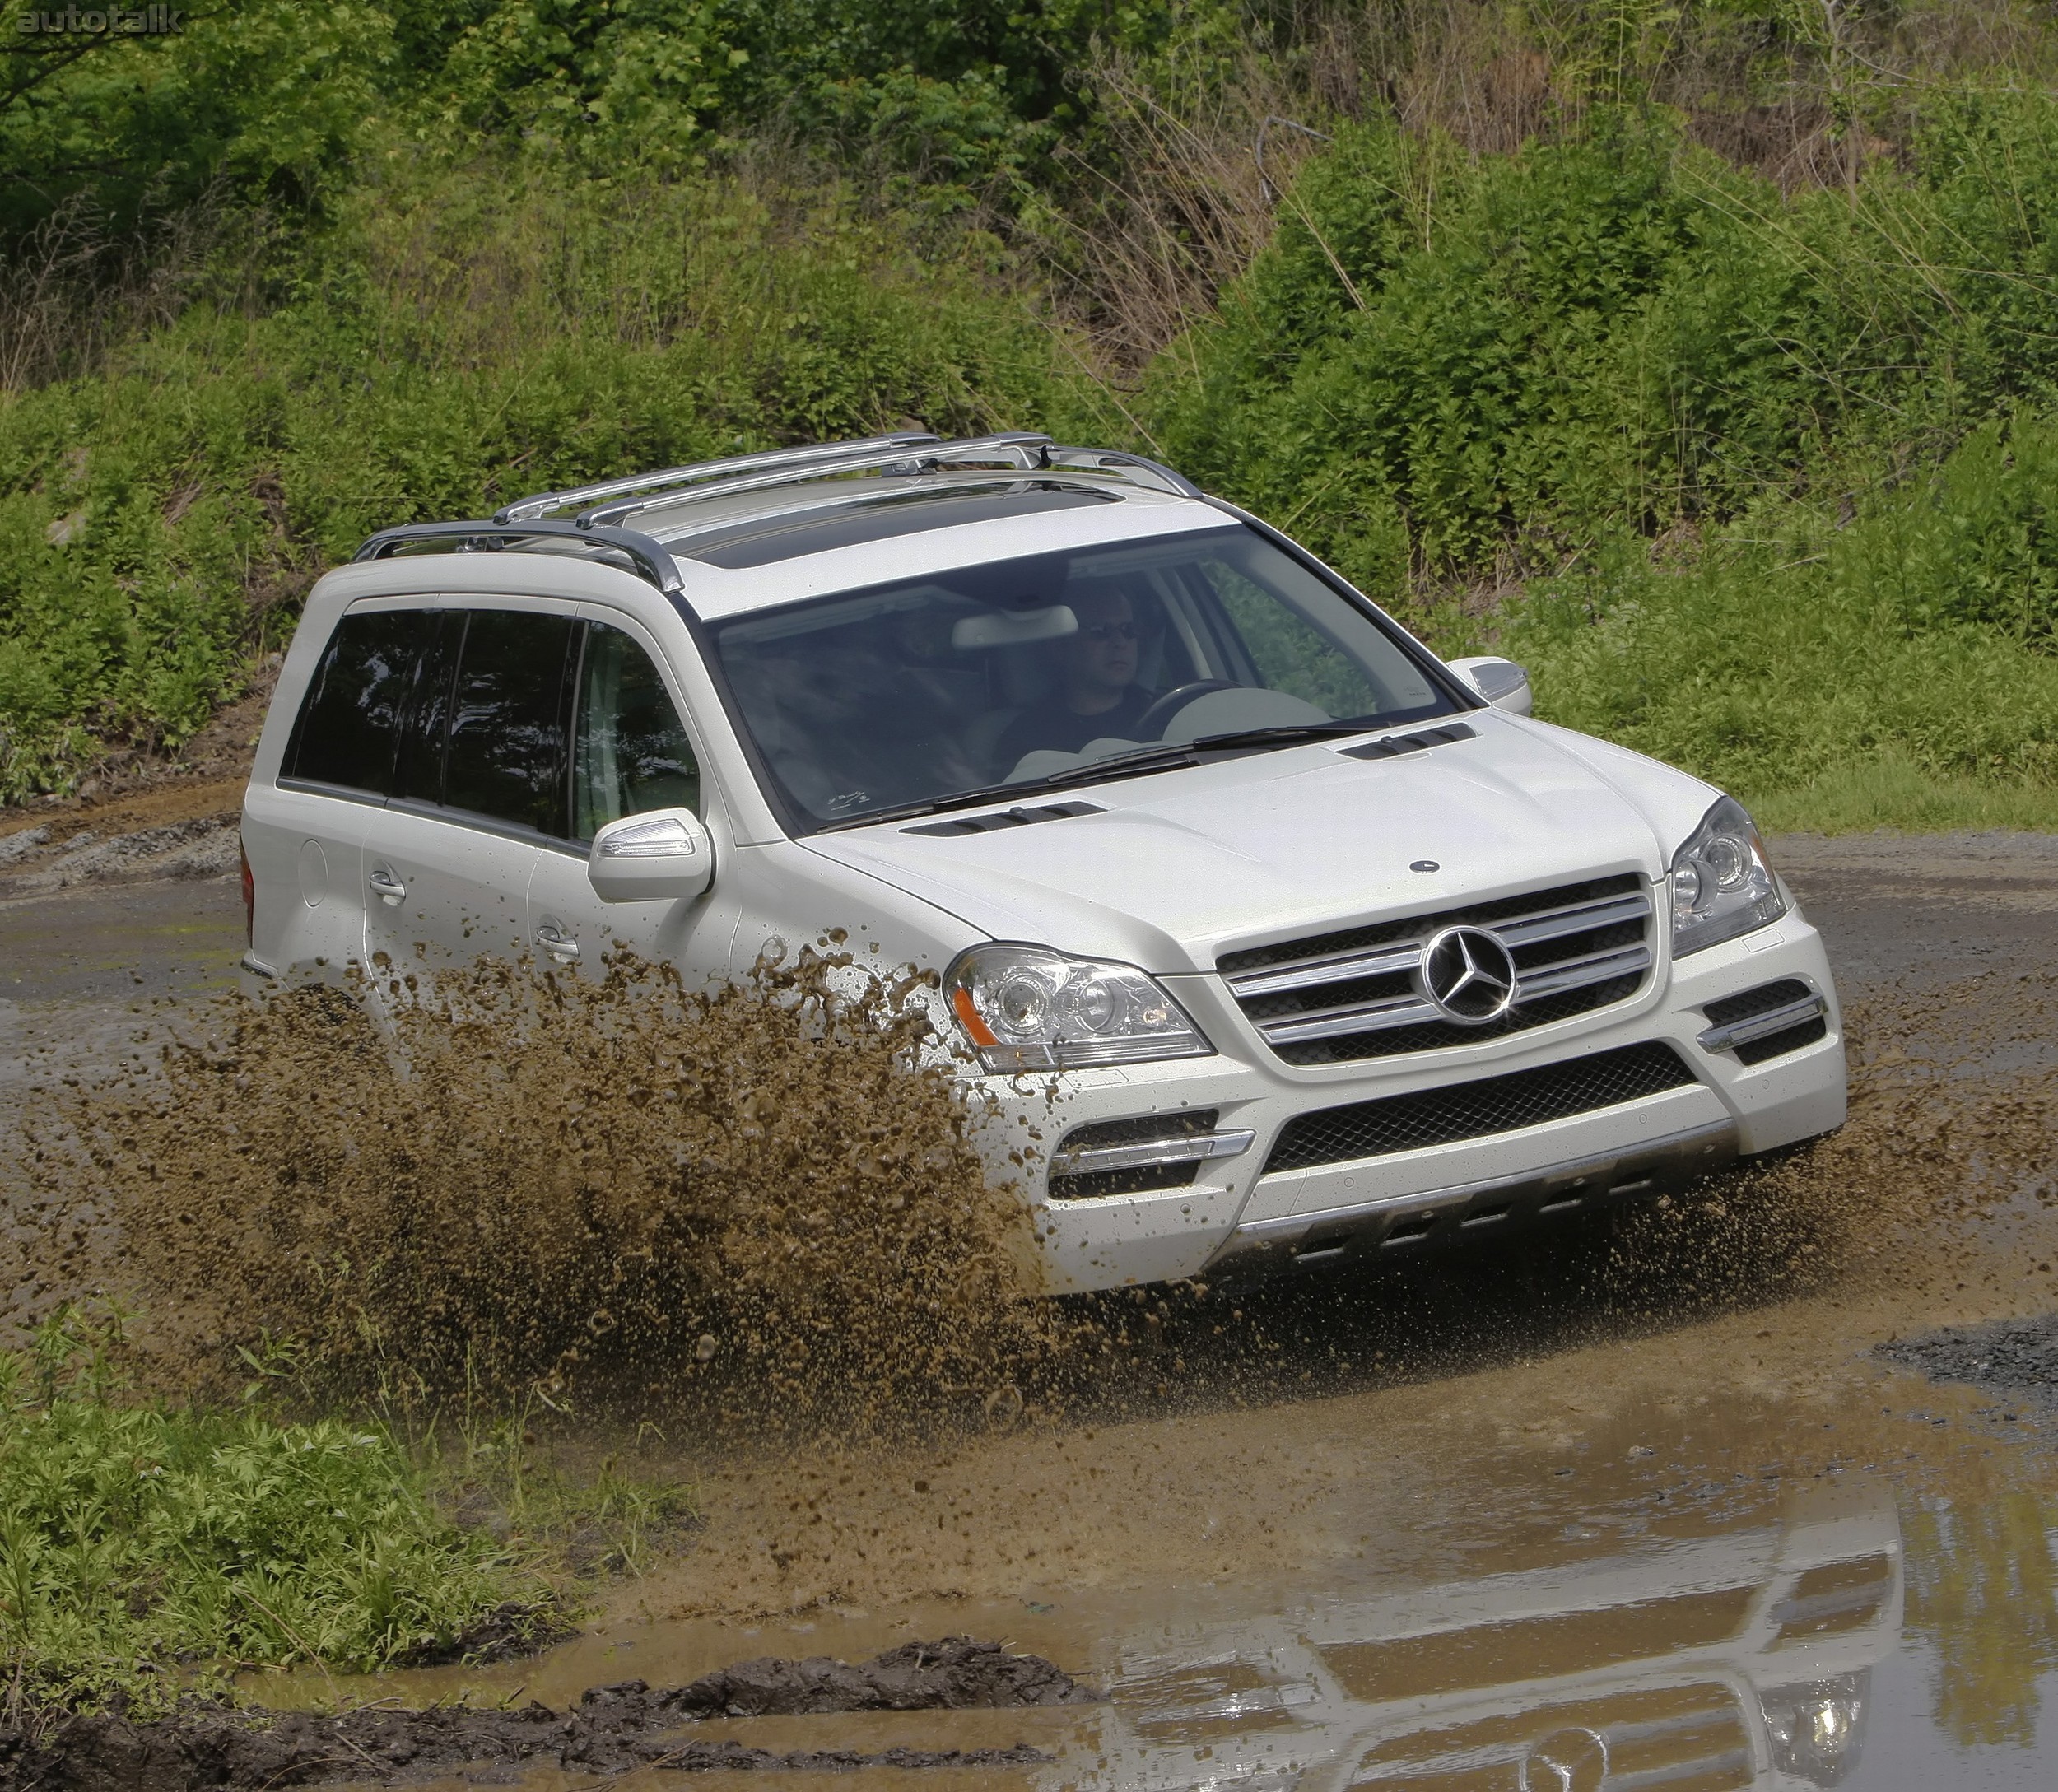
(1444, 361)
(458, 344)
(273, 101)
(1775, 471)
(133, 1538)
(1793, 648)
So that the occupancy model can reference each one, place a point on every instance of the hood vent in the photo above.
(1017, 816)
(1395, 744)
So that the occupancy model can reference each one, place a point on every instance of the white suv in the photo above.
(1320, 946)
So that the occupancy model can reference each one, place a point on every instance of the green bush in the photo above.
(1793, 650)
(1773, 474)
(291, 105)
(1445, 363)
(134, 1538)
(458, 344)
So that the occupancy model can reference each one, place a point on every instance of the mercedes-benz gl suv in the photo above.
(1282, 934)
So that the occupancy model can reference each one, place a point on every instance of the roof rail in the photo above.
(651, 559)
(910, 450)
(1022, 448)
(1133, 468)
(541, 503)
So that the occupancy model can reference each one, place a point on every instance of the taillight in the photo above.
(250, 897)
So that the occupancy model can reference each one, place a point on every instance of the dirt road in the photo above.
(1551, 1518)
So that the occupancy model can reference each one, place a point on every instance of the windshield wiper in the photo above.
(1149, 759)
(1284, 735)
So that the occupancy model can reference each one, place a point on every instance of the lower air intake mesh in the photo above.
(1142, 1131)
(1778, 1044)
(1477, 1110)
(1725, 1010)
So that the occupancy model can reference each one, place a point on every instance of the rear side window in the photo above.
(350, 725)
(505, 755)
(417, 769)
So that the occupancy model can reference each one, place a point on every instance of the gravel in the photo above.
(2017, 1359)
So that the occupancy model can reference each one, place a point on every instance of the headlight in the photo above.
(1816, 1732)
(1024, 1008)
(1722, 882)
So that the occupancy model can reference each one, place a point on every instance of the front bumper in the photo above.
(1403, 1200)
(1449, 1215)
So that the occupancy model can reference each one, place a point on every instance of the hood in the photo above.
(1180, 867)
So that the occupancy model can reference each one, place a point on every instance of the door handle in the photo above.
(557, 942)
(386, 886)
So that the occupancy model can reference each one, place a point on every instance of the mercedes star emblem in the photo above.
(1469, 976)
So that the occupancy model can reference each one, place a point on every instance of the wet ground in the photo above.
(1507, 1523)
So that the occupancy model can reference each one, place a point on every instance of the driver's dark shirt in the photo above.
(1054, 726)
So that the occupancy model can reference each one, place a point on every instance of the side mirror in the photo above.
(1501, 682)
(662, 855)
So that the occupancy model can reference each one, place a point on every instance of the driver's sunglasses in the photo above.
(1102, 632)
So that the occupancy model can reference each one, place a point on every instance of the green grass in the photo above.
(145, 1551)
(577, 1514)
(1890, 793)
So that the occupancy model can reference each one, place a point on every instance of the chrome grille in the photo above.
(1358, 993)
(1689, 1738)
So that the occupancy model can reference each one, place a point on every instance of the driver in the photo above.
(1097, 697)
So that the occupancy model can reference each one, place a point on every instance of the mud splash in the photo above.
(753, 1204)
(756, 1206)
(1942, 1183)
(613, 1729)
(1215, 1431)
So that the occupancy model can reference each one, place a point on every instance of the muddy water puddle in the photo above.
(1594, 1513)
(1801, 1575)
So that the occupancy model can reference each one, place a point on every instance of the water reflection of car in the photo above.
(1326, 948)
(1712, 1664)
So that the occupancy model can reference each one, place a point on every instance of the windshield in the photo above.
(1026, 671)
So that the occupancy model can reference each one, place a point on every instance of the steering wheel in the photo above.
(1151, 723)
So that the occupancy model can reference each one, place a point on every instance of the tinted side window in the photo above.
(505, 757)
(351, 721)
(418, 767)
(630, 751)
